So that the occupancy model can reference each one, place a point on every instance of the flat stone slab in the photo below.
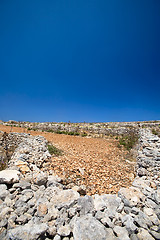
(109, 201)
(131, 196)
(28, 231)
(65, 198)
(144, 234)
(89, 228)
(9, 176)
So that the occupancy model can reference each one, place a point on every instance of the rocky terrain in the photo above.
(35, 204)
(89, 129)
(101, 164)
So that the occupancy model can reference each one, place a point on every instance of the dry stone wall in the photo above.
(92, 129)
(34, 204)
(148, 160)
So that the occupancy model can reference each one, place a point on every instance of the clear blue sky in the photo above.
(80, 60)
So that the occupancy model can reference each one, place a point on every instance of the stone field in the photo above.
(96, 163)
(37, 203)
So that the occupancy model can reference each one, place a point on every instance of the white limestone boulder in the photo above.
(9, 176)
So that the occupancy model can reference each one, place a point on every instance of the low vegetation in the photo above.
(84, 134)
(54, 151)
(128, 141)
(72, 133)
(156, 131)
(3, 164)
(67, 133)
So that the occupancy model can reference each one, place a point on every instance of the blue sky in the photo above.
(80, 60)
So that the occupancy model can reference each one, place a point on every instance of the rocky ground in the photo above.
(34, 204)
(91, 129)
(97, 163)
(97, 129)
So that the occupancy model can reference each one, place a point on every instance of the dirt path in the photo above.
(97, 163)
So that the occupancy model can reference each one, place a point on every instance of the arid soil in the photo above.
(94, 162)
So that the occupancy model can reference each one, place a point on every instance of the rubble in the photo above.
(38, 206)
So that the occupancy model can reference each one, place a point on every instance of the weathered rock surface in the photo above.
(28, 231)
(131, 196)
(143, 234)
(65, 198)
(9, 176)
(35, 204)
(87, 227)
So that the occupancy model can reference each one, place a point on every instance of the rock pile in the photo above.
(36, 205)
(31, 154)
(149, 154)
(92, 129)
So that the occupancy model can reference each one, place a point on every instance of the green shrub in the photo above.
(73, 133)
(128, 141)
(3, 164)
(53, 150)
(76, 133)
(118, 145)
(84, 134)
(70, 133)
(67, 133)
(50, 130)
(58, 132)
(154, 132)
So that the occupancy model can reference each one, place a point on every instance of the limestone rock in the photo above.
(3, 191)
(80, 189)
(3, 233)
(111, 204)
(52, 231)
(157, 196)
(131, 196)
(42, 209)
(134, 237)
(85, 204)
(87, 227)
(28, 231)
(128, 222)
(121, 232)
(155, 235)
(143, 234)
(142, 172)
(53, 213)
(23, 166)
(107, 222)
(40, 178)
(22, 184)
(64, 231)
(9, 176)
(142, 184)
(143, 220)
(65, 198)
(57, 237)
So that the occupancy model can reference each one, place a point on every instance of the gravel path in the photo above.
(96, 163)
